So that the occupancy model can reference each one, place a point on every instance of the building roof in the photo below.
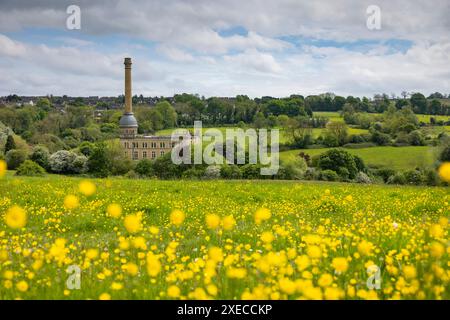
(128, 120)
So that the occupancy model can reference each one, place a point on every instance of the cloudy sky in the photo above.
(225, 48)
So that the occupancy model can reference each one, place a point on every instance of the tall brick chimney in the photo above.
(128, 100)
(128, 124)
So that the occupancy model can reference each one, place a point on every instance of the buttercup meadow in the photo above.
(150, 239)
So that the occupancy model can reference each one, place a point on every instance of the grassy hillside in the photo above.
(400, 158)
(226, 239)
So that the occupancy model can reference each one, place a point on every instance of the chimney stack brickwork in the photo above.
(138, 147)
(128, 96)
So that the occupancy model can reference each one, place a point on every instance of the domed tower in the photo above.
(128, 123)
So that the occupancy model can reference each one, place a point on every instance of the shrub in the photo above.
(445, 154)
(397, 178)
(63, 162)
(357, 138)
(212, 172)
(193, 173)
(144, 168)
(311, 174)
(361, 177)
(416, 138)
(335, 159)
(86, 148)
(343, 173)
(30, 168)
(164, 168)
(230, 172)
(431, 178)
(380, 138)
(131, 175)
(41, 156)
(329, 175)
(414, 177)
(14, 158)
(252, 171)
(79, 164)
(384, 173)
(360, 165)
(98, 163)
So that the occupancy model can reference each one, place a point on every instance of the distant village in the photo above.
(102, 103)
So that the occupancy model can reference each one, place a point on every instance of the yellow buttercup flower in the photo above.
(212, 221)
(261, 215)
(302, 262)
(154, 230)
(267, 237)
(114, 210)
(131, 268)
(410, 272)
(340, 264)
(92, 254)
(87, 188)
(3, 168)
(133, 223)
(325, 280)
(153, 265)
(287, 286)
(365, 248)
(436, 231)
(444, 171)
(177, 217)
(16, 217)
(215, 254)
(173, 291)
(105, 296)
(22, 286)
(228, 222)
(437, 250)
(71, 202)
(314, 252)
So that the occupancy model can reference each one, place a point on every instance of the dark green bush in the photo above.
(30, 168)
(14, 158)
(397, 178)
(329, 175)
(230, 172)
(336, 159)
(145, 168)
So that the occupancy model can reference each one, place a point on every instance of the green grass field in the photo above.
(220, 240)
(283, 136)
(399, 158)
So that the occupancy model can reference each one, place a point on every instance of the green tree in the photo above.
(168, 114)
(419, 103)
(10, 143)
(98, 162)
(14, 158)
(40, 155)
(44, 104)
(341, 162)
(337, 131)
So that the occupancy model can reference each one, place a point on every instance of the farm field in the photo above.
(316, 132)
(399, 158)
(148, 239)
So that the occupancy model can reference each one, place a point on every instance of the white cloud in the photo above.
(254, 60)
(9, 47)
(199, 58)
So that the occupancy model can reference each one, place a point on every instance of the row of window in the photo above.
(135, 154)
(146, 144)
